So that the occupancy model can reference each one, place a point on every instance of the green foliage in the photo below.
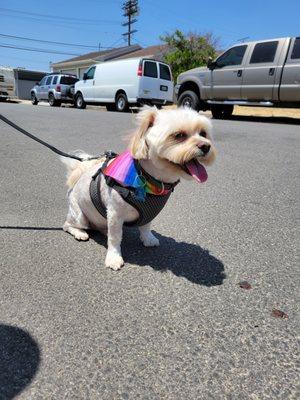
(188, 51)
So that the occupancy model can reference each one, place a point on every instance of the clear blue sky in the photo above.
(90, 22)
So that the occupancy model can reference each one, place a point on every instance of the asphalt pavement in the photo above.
(175, 322)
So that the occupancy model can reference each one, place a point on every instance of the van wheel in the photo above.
(189, 99)
(221, 111)
(121, 102)
(34, 100)
(79, 101)
(52, 101)
(110, 107)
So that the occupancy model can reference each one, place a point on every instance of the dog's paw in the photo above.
(149, 240)
(113, 261)
(81, 236)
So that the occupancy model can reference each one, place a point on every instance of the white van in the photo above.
(123, 83)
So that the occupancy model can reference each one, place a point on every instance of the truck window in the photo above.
(150, 69)
(296, 49)
(264, 52)
(164, 72)
(233, 56)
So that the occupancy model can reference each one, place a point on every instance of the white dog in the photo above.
(167, 145)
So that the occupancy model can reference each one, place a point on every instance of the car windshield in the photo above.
(68, 80)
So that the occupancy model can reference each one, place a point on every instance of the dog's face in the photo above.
(179, 138)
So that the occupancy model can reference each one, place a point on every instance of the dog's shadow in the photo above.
(183, 259)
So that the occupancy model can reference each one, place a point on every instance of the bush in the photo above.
(188, 51)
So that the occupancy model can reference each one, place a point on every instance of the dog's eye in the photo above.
(203, 134)
(181, 136)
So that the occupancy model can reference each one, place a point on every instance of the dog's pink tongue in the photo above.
(197, 171)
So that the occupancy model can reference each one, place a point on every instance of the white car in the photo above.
(123, 83)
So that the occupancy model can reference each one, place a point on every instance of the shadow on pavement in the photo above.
(19, 360)
(183, 259)
(272, 120)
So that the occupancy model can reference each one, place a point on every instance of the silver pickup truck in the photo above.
(262, 73)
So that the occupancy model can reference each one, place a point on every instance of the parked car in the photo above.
(54, 88)
(260, 73)
(123, 83)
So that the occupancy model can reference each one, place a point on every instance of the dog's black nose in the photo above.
(205, 148)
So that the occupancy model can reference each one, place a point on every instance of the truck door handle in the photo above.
(239, 73)
(271, 71)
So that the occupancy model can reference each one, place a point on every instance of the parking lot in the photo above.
(175, 322)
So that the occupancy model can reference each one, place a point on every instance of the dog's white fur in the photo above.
(160, 152)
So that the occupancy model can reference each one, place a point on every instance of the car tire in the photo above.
(110, 107)
(52, 101)
(189, 99)
(221, 111)
(79, 101)
(121, 102)
(34, 100)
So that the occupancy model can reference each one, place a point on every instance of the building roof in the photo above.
(25, 74)
(119, 53)
(87, 56)
(156, 51)
(100, 55)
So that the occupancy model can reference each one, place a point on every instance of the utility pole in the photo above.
(131, 9)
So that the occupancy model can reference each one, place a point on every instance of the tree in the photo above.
(188, 51)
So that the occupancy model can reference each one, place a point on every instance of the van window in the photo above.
(233, 56)
(264, 52)
(150, 69)
(164, 72)
(68, 80)
(90, 73)
(54, 80)
(49, 79)
(296, 49)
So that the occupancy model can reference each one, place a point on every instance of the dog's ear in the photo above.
(138, 145)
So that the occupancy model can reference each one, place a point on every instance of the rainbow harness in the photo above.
(139, 189)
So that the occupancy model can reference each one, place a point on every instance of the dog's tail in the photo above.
(76, 168)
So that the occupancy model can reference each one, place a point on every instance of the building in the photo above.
(78, 65)
(24, 82)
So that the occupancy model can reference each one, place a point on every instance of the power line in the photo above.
(131, 9)
(48, 41)
(36, 50)
(57, 17)
(117, 41)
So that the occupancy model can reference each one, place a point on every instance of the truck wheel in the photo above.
(79, 101)
(52, 101)
(34, 100)
(121, 102)
(189, 99)
(221, 111)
